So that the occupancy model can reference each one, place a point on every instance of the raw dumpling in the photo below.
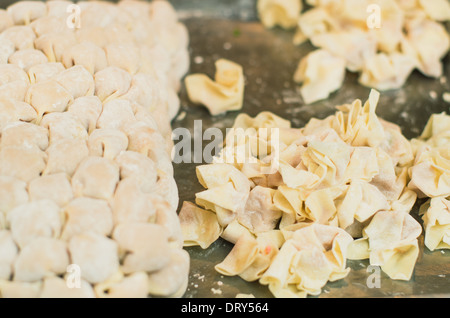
(111, 82)
(13, 111)
(87, 215)
(8, 255)
(45, 71)
(22, 163)
(65, 155)
(284, 13)
(48, 96)
(225, 93)
(29, 221)
(41, 258)
(87, 110)
(95, 177)
(107, 142)
(27, 58)
(77, 81)
(145, 246)
(96, 255)
(321, 74)
(55, 187)
(87, 54)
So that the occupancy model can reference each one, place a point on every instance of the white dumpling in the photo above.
(23, 12)
(21, 35)
(15, 90)
(131, 286)
(35, 219)
(131, 204)
(65, 155)
(14, 289)
(145, 246)
(87, 110)
(55, 44)
(48, 24)
(172, 279)
(58, 8)
(111, 82)
(63, 126)
(7, 48)
(13, 192)
(77, 80)
(41, 258)
(87, 54)
(22, 163)
(45, 71)
(47, 97)
(96, 255)
(138, 166)
(146, 90)
(8, 254)
(13, 111)
(55, 287)
(5, 20)
(55, 187)
(107, 142)
(87, 215)
(95, 177)
(22, 134)
(11, 73)
(116, 114)
(125, 56)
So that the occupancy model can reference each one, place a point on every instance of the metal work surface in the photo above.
(229, 29)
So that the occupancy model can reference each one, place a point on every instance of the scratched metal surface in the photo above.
(229, 29)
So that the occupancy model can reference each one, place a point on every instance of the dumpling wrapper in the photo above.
(225, 93)
(313, 255)
(320, 73)
(199, 227)
(284, 13)
(390, 241)
(436, 220)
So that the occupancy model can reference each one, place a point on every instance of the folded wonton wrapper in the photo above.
(436, 221)
(340, 177)
(389, 241)
(225, 93)
(283, 13)
(321, 74)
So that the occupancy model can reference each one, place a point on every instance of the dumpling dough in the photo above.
(225, 93)
(96, 255)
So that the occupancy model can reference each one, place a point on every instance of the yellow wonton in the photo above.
(225, 93)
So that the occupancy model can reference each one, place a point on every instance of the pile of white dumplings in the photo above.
(87, 194)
